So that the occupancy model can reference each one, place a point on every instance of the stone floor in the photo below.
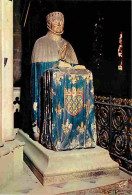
(27, 183)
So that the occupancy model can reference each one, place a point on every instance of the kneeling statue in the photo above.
(47, 52)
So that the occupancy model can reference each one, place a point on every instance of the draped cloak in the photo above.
(45, 56)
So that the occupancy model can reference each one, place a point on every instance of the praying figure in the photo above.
(47, 52)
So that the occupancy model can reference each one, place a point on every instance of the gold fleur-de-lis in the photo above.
(86, 77)
(81, 128)
(58, 109)
(67, 127)
(73, 78)
(57, 77)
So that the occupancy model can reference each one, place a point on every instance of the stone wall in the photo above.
(17, 51)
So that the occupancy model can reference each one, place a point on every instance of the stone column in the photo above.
(1, 78)
(1, 119)
(11, 154)
(6, 71)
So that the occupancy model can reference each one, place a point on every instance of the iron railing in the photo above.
(114, 128)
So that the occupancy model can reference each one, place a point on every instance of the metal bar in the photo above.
(118, 105)
(118, 128)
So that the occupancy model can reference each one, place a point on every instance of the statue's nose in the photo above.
(59, 22)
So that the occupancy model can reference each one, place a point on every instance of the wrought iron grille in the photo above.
(114, 128)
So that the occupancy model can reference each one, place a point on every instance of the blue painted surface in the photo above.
(67, 110)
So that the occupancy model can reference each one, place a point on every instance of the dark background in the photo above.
(80, 18)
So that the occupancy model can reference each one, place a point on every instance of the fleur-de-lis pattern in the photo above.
(68, 107)
(57, 77)
(73, 78)
(81, 128)
(67, 127)
(58, 109)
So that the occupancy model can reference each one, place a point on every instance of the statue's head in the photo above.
(55, 22)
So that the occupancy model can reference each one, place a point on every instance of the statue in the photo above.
(47, 52)
(52, 47)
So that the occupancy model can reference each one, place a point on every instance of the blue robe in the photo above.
(65, 127)
(37, 71)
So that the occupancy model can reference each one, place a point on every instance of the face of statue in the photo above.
(57, 25)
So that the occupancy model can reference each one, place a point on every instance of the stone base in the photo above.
(52, 167)
(11, 161)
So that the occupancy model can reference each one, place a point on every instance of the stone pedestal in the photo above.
(11, 161)
(52, 167)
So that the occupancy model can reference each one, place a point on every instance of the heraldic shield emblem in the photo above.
(73, 100)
